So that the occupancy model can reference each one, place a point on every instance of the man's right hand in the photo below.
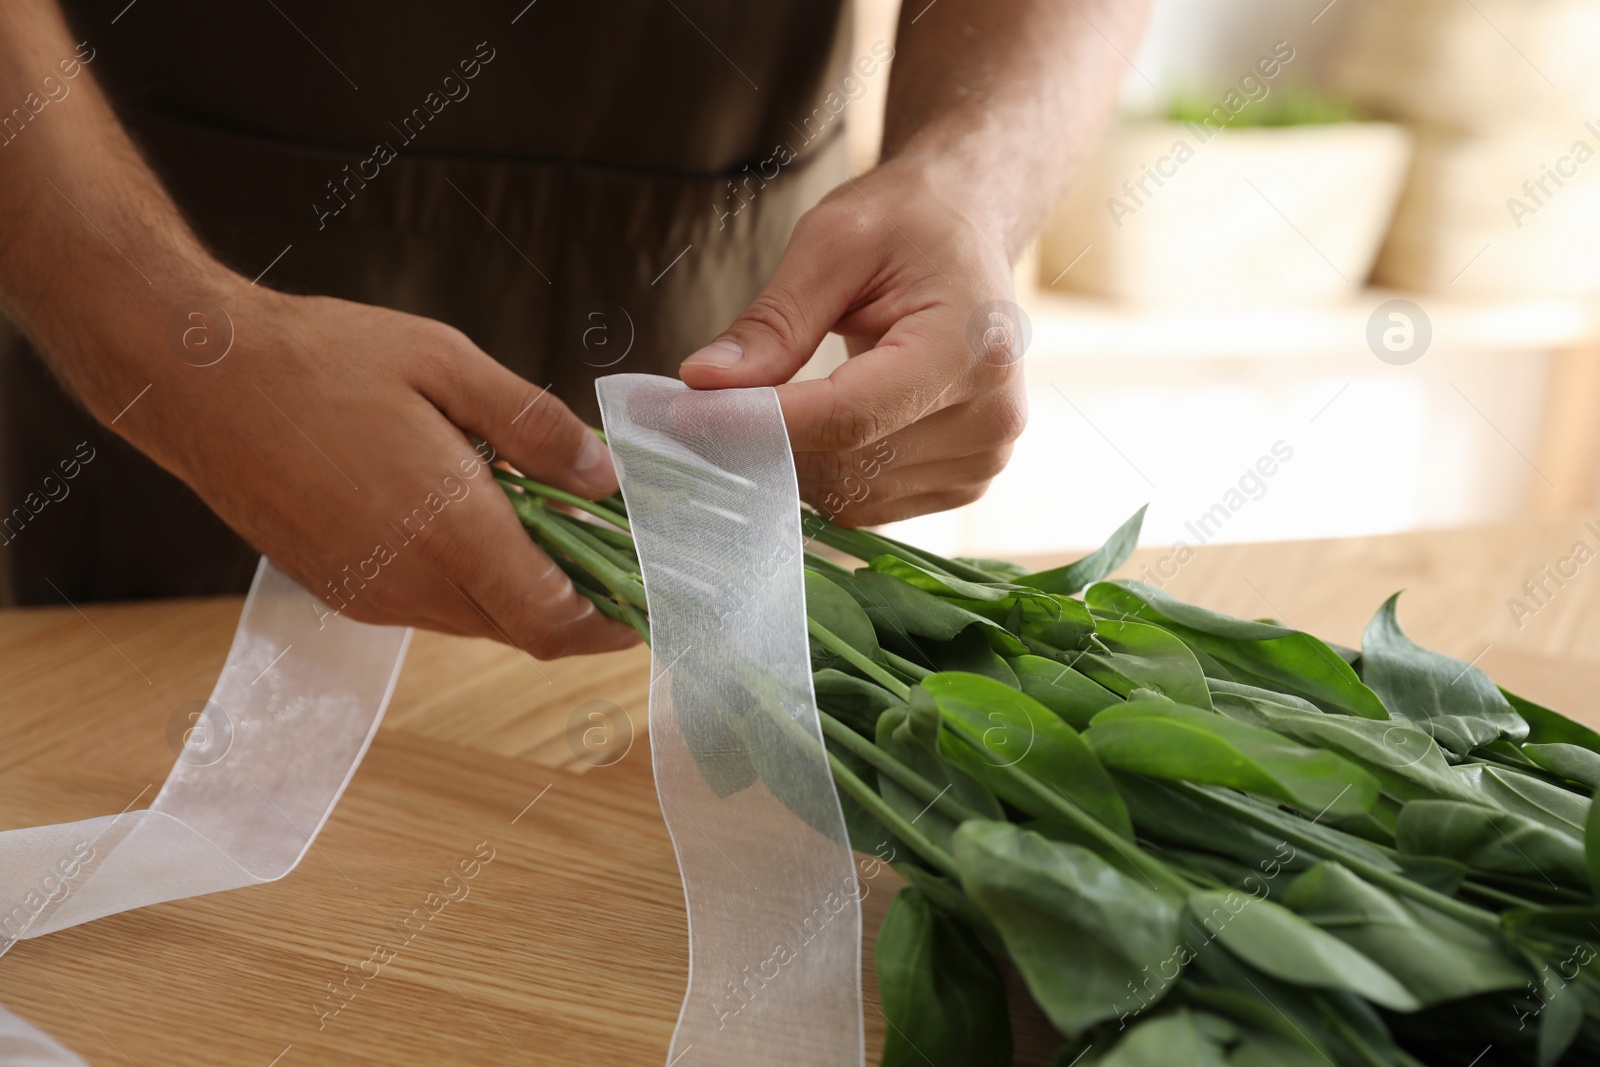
(332, 436)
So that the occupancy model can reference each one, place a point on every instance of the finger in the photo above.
(527, 425)
(990, 423)
(817, 281)
(525, 598)
(863, 502)
(878, 512)
(921, 366)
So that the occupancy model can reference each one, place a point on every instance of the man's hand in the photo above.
(331, 436)
(919, 419)
(992, 103)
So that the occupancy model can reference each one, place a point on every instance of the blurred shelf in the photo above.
(1080, 325)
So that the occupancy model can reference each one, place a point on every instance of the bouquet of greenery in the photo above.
(1199, 839)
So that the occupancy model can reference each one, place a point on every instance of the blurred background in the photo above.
(1333, 271)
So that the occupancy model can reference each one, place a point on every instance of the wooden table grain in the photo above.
(568, 946)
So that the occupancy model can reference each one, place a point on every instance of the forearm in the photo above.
(94, 256)
(997, 101)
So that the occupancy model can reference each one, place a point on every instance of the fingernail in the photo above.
(593, 465)
(724, 352)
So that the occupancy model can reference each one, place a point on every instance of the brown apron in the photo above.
(557, 187)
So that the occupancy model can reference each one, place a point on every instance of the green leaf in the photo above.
(1274, 939)
(970, 652)
(1144, 656)
(1173, 816)
(1179, 1036)
(1591, 843)
(1075, 577)
(1003, 569)
(1346, 1026)
(1274, 1038)
(942, 584)
(1573, 762)
(1180, 743)
(1010, 734)
(717, 747)
(1498, 842)
(1258, 653)
(853, 700)
(940, 991)
(1550, 727)
(1051, 622)
(1526, 795)
(1063, 690)
(1435, 957)
(1402, 756)
(1452, 700)
(1182, 1036)
(1559, 1024)
(867, 834)
(834, 608)
(911, 735)
(944, 893)
(1061, 621)
(1077, 929)
(900, 610)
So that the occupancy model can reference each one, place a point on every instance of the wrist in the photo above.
(117, 331)
(957, 192)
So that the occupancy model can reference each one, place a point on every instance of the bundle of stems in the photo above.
(1199, 839)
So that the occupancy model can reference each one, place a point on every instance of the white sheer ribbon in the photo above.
(768, 875)
(260, 770)
(290, 718)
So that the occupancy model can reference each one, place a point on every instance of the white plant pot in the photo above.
(1508, 214)
(1487, 65)
(1180, 214)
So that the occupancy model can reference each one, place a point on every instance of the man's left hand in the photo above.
(924, 413)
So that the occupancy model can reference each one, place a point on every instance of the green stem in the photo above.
(586, 531)
(859, 543)
(905, 666)
(904, 776)
(864, 545)
(550, 492)
(615, 538)
(1505, 900)
(892, 820)
(1398, 883)
(856, 659)
(1357, 1042)
(548, 529)
(1147, 865)
(823, 565)
(955, 567)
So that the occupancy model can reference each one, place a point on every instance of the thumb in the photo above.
(809, 292)
(528, 426)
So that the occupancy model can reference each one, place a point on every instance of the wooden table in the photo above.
(570, 945)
